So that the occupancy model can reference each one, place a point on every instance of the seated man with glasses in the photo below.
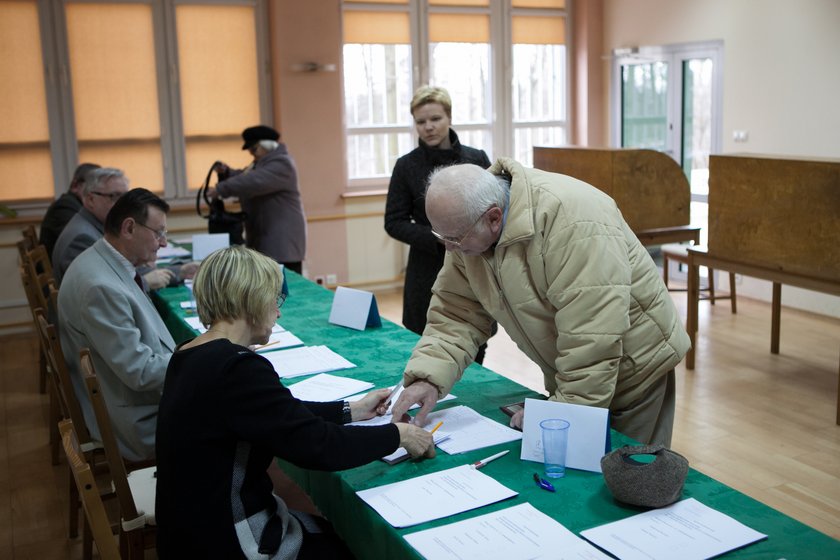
(102, 306)
(553, 261)
(101, 190)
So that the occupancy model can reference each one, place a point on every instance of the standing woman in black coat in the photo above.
(405, 211)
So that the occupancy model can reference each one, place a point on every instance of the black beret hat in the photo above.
(655, 484)
(254, 134)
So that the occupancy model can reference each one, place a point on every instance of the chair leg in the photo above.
(42, 375)
(732, 292)
(87, 541)
(55, 417)
(665, 269)
(711, 285)
(73, 510)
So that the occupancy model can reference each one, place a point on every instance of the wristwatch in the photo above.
(346, 413)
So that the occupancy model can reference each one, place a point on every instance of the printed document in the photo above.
(278, 341)
(517, 533)
(325, 387)
(306, 360)
(469, 430)
(687, 530)
(434, 496)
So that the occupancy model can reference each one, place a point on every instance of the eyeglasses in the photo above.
(110, 196)
(281, 299)
(458, 240)
(160, 234)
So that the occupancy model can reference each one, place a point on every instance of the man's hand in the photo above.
(517, 419)
(421, 392)
(158, 278)
(188, 270)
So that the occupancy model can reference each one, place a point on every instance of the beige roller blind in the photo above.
(539, 3)
(540, 30)
(24, 133)
(377, 27)
(459, 28)
(112, 68)
(459, 2)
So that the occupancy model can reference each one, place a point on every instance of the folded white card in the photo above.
(355, 309)
(205, 243)
(588, 432)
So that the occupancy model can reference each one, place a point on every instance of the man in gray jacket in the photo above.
(553, 261)
(102, 306)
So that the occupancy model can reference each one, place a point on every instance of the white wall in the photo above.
(781, 79)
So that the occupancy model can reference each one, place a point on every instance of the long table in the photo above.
(582, 500)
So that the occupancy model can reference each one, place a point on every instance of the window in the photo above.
(504, 63)
(130, 84)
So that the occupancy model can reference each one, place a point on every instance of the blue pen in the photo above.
(543, 483)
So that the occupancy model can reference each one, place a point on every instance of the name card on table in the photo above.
(205, 243)
(355, 309)
(588, 432)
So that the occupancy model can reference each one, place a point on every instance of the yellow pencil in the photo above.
(439, 424)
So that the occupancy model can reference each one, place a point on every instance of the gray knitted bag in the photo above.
(655, 484)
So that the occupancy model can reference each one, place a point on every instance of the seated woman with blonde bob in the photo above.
(224, 417)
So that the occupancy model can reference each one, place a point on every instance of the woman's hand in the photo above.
(369, 406)
(417, 441)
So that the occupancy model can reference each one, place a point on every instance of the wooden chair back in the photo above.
(29, 242)
(89, 493)
(119, 474)
(61, 379)
(40, 274)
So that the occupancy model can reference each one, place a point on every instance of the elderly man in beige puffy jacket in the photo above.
(552, 260)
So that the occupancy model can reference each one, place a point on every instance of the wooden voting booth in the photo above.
(773, 218)
(649, 187)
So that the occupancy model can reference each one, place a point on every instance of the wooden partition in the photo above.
(649, 187)
(773, 218)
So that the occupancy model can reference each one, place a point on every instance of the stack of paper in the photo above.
(518, 532)
(279, 340)
(434, 496)
(306, 360)
(325, 388)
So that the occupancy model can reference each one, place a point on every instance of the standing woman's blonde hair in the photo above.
(236, 283)
(431, 94)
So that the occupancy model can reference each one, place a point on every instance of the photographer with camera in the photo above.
(275, 224)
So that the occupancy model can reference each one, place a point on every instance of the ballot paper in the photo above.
(520, 532)
(325, 387)
(172, 251)
(434, 496)
(687, 530)
(470, 430)
(306, 360)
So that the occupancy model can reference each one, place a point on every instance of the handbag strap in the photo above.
(202, 192)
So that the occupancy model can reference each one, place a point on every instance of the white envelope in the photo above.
(205, 243)
(588, 432)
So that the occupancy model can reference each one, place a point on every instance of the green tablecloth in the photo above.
(582, 500)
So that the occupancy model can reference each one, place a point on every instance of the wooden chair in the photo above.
(39, 277)
(85, 483)
(135, 490)
(679, 253)
(29, 241)
(70, 409)
(34, 301)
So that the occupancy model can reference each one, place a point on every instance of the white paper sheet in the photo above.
(195, 323)
(587, 433)
(435, 495)
(401, 454)
(354, 308)
(278, 341)
(325, 387)
(520, 532)
(470, 430)
(172, 251)
(687, 530)
(306, 360)
(205, 243)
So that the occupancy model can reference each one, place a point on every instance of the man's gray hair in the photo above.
(98, 177)
(478, 189)
(268, 145)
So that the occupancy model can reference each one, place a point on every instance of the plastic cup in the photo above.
(555, 439)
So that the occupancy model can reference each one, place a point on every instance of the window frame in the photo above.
(501, 126)
(64, 146)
